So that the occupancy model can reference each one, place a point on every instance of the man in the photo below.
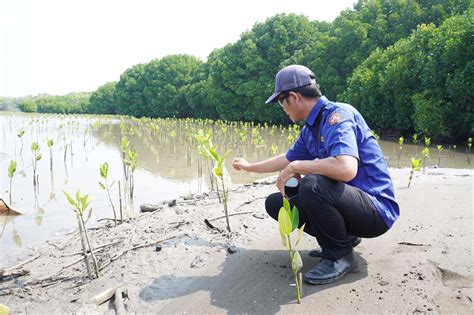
(347, 192)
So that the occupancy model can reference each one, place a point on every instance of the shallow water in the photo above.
(167, 166)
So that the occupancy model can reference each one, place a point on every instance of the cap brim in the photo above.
(272, 98)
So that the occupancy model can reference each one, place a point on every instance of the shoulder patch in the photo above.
(335, 118)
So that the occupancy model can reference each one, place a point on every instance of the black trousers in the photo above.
(334, 212)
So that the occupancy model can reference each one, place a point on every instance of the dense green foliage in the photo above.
(423, 82)
(64, 104)
(406, 64)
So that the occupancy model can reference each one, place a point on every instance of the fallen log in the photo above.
(105, 295)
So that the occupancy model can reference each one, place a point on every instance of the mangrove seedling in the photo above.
(415, 166)
(288, 221)
(401, 140)
(132, 166)
(416, 142)
(219, 171)
(50, 146)
(440, 148)
(11, 173)
(104, 173)
(80, 205)
(426, 155)
(20, 135)
(36, 157)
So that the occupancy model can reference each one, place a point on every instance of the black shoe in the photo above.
(328, 271)
(318, 252)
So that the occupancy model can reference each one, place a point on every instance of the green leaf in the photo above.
(38, 157)
(72, 202)
(88, 216)
(286, 205)
(34, 146)
(300, 233)
(218, 171)
(104, 170)
(297, 262)
(295, 217)
(11, 168)
(284, 222)
(102, 185)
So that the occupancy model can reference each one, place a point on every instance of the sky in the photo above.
(62, 46)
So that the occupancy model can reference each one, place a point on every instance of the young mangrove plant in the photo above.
(440, 148)
(36, 157)
(11, 173)
(208, 149)
(50, 146)
(288, 221)
(415, 166)
(20, 135)
(132, 166)
(80, 205)
(104, 173)
(416, 142)
(401, 140)
(425, 155)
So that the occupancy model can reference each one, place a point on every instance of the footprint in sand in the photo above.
(450, 278)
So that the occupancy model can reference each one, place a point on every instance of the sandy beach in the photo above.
(170, 262)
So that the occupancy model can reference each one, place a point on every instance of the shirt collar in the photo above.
(315, 111)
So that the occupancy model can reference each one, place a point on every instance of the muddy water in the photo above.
(168, 166)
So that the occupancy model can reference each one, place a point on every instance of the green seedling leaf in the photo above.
(34, 146)
(214, 154)
(297, 262)
(38, 157)
(102, 185)
(286, 205)
(104, 170)
(284, 222)
(300, 233)
(295, 218)
(50, 143)
(11, 168)
(72, 202)
(88, 216)
(218, 171)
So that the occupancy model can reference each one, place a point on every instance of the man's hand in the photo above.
(285, 175)
(240, 164)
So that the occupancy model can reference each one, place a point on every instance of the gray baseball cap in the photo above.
(291, 77)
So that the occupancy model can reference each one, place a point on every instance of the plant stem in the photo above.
(224, 197)
(84, 248)
(96, 267)
(120, 201)
(10, 190)
(292, 255)
(111, 203)
(409, 179)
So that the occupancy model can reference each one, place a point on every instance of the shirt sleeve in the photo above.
(299, 151)
(339, 134)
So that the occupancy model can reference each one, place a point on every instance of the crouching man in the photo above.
(346, 192)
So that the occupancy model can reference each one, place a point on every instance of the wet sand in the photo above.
(423, 264)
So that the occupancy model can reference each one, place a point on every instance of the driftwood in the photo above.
(11, 269)
(13, 274)
(105, 295)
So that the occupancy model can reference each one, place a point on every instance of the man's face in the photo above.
(287, 101)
